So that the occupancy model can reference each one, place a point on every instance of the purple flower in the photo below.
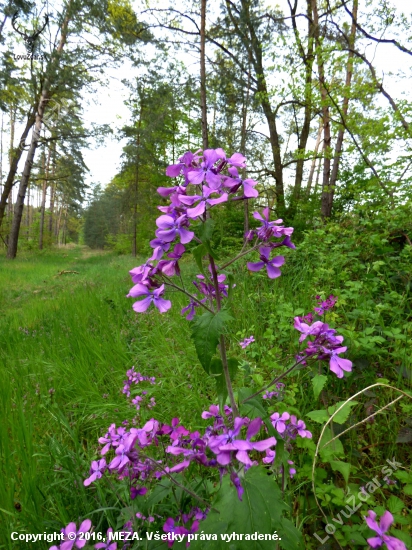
(97, 469)
(170, 527)
(171, 267)
(109, 544)
(169, 229)
(272, 265)
(204, 200)
(246, 342)
(235, 181)
(190, 310)
(234, 478)
(338, 364)
(75, 540)
(279, 422)
(206, 170)
(267, 229)
(386, 521)
(155, 297)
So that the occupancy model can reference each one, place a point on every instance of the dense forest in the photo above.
(261, 203)
(300, 90)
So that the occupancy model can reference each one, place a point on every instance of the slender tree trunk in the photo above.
(345, 107)
(243, 151)
(308, 59)
(43, 198)
(313, 166)
(254, 47)
(203, 102)
(1, 153)
(44, 98)
(325, 113)
(14, 156)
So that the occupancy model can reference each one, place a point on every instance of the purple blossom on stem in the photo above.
(386, 521)
(109, 544)
(169, 229)
(207, 171)
(279, 421)
(171, 267)
(97, 470)
(151, 296)
(235, 182)
(204, 200)
(272, 266)
(77, 541)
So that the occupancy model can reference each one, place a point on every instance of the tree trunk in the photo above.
(44, 98)
(254, 47)
(345, 107)
(43, 198)
(313, 166)
(18, 209)
(243, 151)
(14, 156)
(203, 102)
(325, 114)
(308, 59)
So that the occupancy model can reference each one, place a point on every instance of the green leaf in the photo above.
(408, 490)
(342, 467)
(320, 416)
(206, 331)
(318, 383)
(198, 253)
(216, 370)
(204, 233)
(343, 414)
(253, 408)
(331, 451)
(205, 230)
(290, 536)
(259, 512)
(395, 504)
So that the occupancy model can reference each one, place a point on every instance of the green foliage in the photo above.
(260, 511)
(206, 331)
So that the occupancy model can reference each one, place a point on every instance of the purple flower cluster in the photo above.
(217, 180)
(172, 524)
(325, 305)
(134, 378)
(269, 394)
(324, 346)
(246, 342)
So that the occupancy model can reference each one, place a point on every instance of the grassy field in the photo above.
(67, 339)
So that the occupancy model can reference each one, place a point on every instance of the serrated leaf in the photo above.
(395, 505)
(343, 414)
(320, 416)
(318, 383)
(206, 331)
(408, 490)
(342, 467)
(259, 512)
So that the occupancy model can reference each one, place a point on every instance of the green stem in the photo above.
(222, 343)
